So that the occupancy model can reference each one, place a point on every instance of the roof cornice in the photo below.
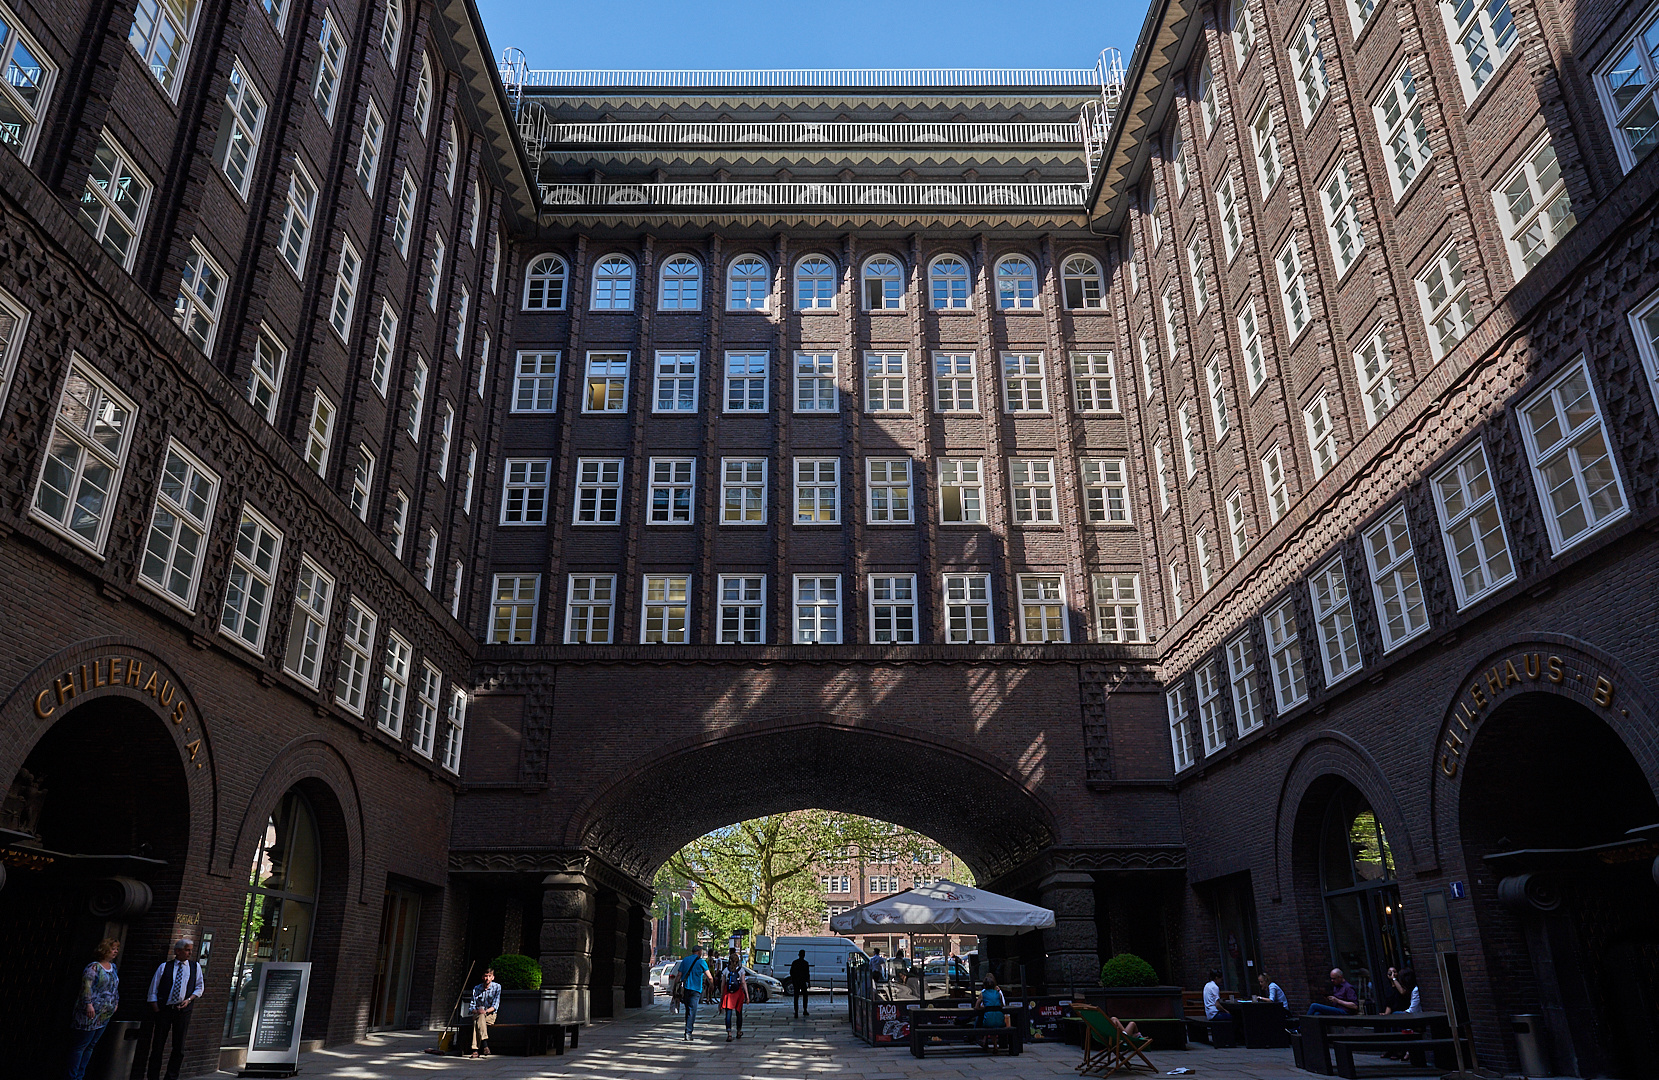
(489, 104)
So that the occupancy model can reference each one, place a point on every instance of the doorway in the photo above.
(280, 909)
(1364, 925)
(394, 960)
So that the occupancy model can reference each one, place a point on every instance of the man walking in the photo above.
(174, 989)
(691, 972)
(800, 977)
(484, 1000)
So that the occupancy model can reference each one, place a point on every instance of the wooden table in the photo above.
(1318, 1030)
(1260, 1024)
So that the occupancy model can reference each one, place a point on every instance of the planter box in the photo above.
(528, 1007)
(1136, 1002)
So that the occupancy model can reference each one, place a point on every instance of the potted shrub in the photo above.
(1130, 991)
(523, 1001)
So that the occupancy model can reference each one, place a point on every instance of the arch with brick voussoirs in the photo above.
(983, 810)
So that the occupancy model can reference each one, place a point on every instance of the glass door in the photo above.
(399, 919)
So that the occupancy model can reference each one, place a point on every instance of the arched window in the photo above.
(1081, 275)
(815, 284)
(1016, 284)
(423, 96)
(391, 31)
(949, 278)
(613, 284)
(1362, 897)
(280, 908)
(748, 284)
(544, 284)
(682, 284)
(883, 284)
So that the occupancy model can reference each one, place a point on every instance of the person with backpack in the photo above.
(691, 971)
(734, 994)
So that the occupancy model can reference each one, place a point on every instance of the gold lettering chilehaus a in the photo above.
(1485, 688)
(111, 671)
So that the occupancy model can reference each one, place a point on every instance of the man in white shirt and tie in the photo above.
(174, 989)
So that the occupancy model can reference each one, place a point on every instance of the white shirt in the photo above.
(175, 991)
(1212, 1000)
(1416, 1005)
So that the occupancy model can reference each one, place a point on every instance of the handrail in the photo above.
(677, 196)
(793, 132)
(859, 78)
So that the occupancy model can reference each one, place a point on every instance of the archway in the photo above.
(97, 827)
(1560, 829)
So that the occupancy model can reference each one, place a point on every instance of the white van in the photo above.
(827, 955)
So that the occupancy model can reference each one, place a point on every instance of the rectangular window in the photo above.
(1195, 273)
(676, 388)
(1626, 86)
(301, 209)
(265, 371)
(1182, 164)
(673, 487)
(114, 201)
(1399, 594)
(417, 401)
(461, 307)
(742, 616)
(446, 435)
(400, 522)
(1572, 465)
(451, 158)
(325, 85)
(1094, 382)
(308, 633)
(1482, 33)
(394, 684)
(427, 695)
(1042, 608)
(1405, 138)
(1241, 674)
(1105, 492)
(1206, 559)
(319, 434)
(179, 524)
(888, 491)
(536, 382)
(815, 386)
(1207, 677)
(483, 362)
(1244, 31)
(456, 571)
(893, 609)
(665, 618)
(524, 491)
(1308, 57)
(472, 471)
(1292, 289)
(1278, 490)
(385, 344)
(1117, 607)
(817, 491)
(1375, 367)
(1534, 206)
(1444, 293)
(429, 567)
(345, 289)
(25, 89)
(607, 383)
(201, 290)
(1266, 143)
(961, 492)
(88, 450)
(589, 614)
(1237, 529)
(1321, 436)
(351, 679)
(1218, 398)
(955, 383)
(1284, 657)
(968, 608)
(746, 382)
(817, 609)
(514, 600)
(252, 580)
(742, 491)
(598, 491)
(1333, 614)
(405, 216)
(1153, 225)
(1360, 11)
(435, 273)
(886, 383)
(1033, 491)
(455, 728)
(368, 150)
(1232, 235)
(1207, 99)
(1336, 196)
(1172, 333)
(1476, 543)
(1163, 476)
(1189, 439)
(1180, 741)
(1146, 366)
(362, 482)
(161, 33)
(1024, 386)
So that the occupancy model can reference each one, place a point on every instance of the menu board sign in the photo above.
(279, 1016)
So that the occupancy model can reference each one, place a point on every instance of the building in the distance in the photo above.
(859, 877)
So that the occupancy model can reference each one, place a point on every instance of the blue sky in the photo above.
(793, 33)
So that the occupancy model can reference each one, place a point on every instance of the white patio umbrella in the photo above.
(944, 908)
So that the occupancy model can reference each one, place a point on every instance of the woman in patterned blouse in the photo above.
(100, 995)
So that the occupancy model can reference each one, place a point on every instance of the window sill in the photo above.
(952, 311)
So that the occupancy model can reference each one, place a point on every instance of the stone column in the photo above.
(1072, 944)
(567, 908)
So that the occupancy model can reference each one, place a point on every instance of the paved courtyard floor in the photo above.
(647, 1046)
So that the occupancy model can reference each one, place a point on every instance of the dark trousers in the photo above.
(169, 1021)
(799, 998)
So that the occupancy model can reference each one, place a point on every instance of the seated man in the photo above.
(1212, 999)
(1343, 1000)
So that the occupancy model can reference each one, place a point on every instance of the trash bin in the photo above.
(1529, 1043)
(113, 1059)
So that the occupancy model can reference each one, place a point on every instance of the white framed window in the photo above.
(665, 619)
(1189, 439)
(472, 473)
(461, 309)
(446, 436)
(1237, 525)
(536, 382)
(495, 262)
(1213, 381)
(1278, 489)
(1172, 331)
(455, 726)
(252, 580)
(325, 84)
(514, 600)
(319, 433)
(1374, 365)
(1322, 446)
(1360, 12)
(1207, 679)
(385, 345)
(308, 632)
(345, 289)
(1333, 614)
(179, 524)
(417, 401)
(1241, 677)
(1482, 32)
(362, 482)
(394, 684)
(815, 383)
(483, 362)
(1244, 31)
(1181, 162)
(817, 491)
(883, 284)
(676, 387)
(524, 491)
(742, 614)
(1401, 610)
(391, 30)
(598, 491)
(452, 154)
(1105, 492)
(680, 287)
(1083, 283)
(1265, 140)
(1032, 484)
(1154, 224)
(1177, 592)
(961, 491)
(613, 284)
(1043, 608)
(886, 382)
(1016, 284)
(1232, 234)
(368, 150)
(161, 33)
(607, 383)
(815, 284)
(1444, 293)
(114, 202)
(435, 272)
(351, 676)
(955, 383)
(456, 572)
(1195, 274)
(1578, 481)
(591, 609)
(1336, 197)
(201, 292)
(742, 491)
(817, 609)
(1405, 137)
(1292, 288)
(748, 284)
(26, 88)
(1250, 343)
(428, 692)
(1146, 367)
(1180, 740)
(1208, 104)
(265, 371)
(1308, 58)
(1117, 607)
(1131, 263)
(672, 491)
(429, 565)
(949, 283)
(1206, 559)
(1163, 476)
(544, 284)
(1534, 206)
(1284, 657)
(888, 491)
(746, 382)
(475, 210)
(1094, 382)
(1024, 383)
(893, 609)
(400, 522)
(968, 609)
(1626, 87)
(404, 217)
(423, 95)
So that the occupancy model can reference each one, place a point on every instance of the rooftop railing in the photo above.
(810, 78)
(791, 133)
(669, 197)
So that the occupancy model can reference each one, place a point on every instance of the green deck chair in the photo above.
(1118, 1051)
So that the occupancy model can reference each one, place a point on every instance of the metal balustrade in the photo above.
(677, 196)
(810, 78)
(790, 133)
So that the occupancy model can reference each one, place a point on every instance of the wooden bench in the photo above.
(538, 1038)
(1218, 1033)
(947, 1026)
(1417, 1047)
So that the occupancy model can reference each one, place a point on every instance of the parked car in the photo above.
(659, 976)
(763, 988)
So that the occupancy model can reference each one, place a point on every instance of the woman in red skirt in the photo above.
(734, 992)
